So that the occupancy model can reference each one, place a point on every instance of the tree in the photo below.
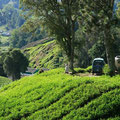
(102, 17)
(14, 63)
(97, 50)
(20, 38)
(2, 57)
(10, 15)
(60, 18)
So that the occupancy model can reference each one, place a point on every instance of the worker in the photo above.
(66, 68)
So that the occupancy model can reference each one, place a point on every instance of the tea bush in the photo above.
(53, 95)
(4, 81)
(84, 70)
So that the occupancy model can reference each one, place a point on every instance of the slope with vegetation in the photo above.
(4, 81)
(10, 14)
(44, 53)
(70, 98)
(10, 19)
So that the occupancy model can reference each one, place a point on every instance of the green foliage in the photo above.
(89, 69)
(101, 18)
(60, 18)
(97, 50)
(80, 70)
(4, 81)
(46, 55)
(2, 72)
(4, 41)
(14, 63)
(84, 70)
(20, 38)
(4, 2)
(10, 14)
(82, 58)
(106, 69)
(70, 97)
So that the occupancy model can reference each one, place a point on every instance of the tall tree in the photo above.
(100, 15)
(14, 63)
(60, 17)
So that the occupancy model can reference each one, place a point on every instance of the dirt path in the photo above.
(86, 74)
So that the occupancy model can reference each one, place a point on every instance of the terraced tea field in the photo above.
(54, 95)
(4, 81)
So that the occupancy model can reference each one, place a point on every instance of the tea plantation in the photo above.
(4, 81)
(46, 54)
(54, 95)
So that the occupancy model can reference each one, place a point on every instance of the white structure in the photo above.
(66, 68)
(117, 62)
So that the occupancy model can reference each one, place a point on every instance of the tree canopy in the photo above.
(100, 16)
(95, 18)
(10, 15)
(14, 63)
(60, 18)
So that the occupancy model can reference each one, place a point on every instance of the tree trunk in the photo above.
(109, 41)
(71, 60)
(16, 76)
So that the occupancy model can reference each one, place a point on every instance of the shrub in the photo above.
(80, 70)
(88, 69)
(84, 70)
(106, 70)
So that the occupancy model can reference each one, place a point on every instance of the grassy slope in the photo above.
(54, 95)
(47, 55)
(4, 81)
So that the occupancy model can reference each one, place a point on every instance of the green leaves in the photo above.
(14, 63)
(4, 81)
(59, 17)
(55, 95)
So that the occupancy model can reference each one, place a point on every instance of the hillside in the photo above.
(4, 2)
(44, 54)
(54, 95)
(10, 19)
(4, 81)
